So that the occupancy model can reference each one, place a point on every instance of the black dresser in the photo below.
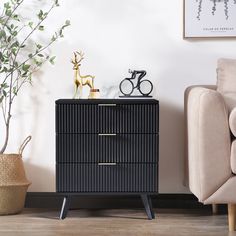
(107, 146)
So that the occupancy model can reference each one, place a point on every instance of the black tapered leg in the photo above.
(147, 202)
(150, 204)
(65, 207)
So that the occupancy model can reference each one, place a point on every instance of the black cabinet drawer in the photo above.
(107, 118)
(94, 148)
(77, 118)
(107, 178)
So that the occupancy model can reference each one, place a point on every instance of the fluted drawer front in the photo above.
(107, 178)
(99, 118)
(77, 118)
(131, 118)
(90, 148)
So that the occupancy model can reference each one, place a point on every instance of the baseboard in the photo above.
(54, 200)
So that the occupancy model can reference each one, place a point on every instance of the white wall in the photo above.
(118, 35)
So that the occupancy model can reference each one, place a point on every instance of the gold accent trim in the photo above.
(106, 164)
(107, 105)
(106, 134)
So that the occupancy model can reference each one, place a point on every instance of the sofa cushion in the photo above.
(226, 81)
(232, 121)
(233, 157)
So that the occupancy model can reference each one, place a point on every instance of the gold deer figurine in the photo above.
(80, 80)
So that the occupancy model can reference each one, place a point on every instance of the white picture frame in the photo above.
(209, 18)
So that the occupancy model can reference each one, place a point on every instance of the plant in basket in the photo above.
(20, 57)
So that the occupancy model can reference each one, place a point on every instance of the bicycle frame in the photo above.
(141, 74)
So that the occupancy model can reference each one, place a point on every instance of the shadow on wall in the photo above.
(42, 175)
(42, 178)
(171, 147)
(39, 94)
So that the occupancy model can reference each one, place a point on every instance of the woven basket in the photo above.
(13, 182)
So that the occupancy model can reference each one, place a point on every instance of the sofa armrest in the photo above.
(208, 137)
(186, 94)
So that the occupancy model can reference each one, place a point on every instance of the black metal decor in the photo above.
(127, 86)
(107, 146)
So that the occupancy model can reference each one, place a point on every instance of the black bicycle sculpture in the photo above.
(144, 86)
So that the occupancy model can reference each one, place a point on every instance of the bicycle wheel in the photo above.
(145, 87)
(126, 87)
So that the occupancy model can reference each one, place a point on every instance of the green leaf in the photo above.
(30, 55)
(2, 34)
(25, 67)
(31, 24)
(30, 79)
(41, 28)
(53, 39)
(67, 22)
(14, 90)
(40, 55)
(1, 56)
(15, 44)
(40, 15)
(25, 74)
(16, 17)
(4, 85)
(1, 99)
(7, 5)
(9, 39)
(5, 69)
(57, 3)
(8, 12)
(9, 28)
(4, 93)
(14, 50)
(37, 62)
(15, 33)
(39, 46)
(52, 60)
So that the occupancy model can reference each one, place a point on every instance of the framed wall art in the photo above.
(209, 18)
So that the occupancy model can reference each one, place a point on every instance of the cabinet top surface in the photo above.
(107, 101)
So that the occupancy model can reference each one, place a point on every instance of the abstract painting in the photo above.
(209, 18)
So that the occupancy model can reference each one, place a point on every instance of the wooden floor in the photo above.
(38, 222)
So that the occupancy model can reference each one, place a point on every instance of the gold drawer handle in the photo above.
(107, 164)
(106, 134)
(107, 105)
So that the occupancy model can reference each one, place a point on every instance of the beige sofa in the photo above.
(210, 136)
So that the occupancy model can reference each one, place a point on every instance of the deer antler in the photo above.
(75, 59)
(81, 54)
